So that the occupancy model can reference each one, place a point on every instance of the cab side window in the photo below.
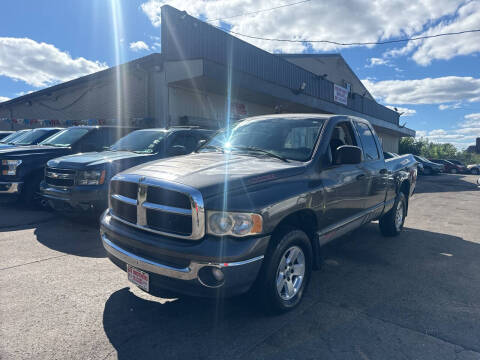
(186, 140)
(342, 135)
(370, 149)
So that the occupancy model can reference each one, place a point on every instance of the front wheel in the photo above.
(285, 272)
(391, 224)
(30, 195)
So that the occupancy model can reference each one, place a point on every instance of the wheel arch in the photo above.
(405, 189)
(305, 220)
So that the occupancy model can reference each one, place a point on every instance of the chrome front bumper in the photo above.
(10, 187)
(187, 273)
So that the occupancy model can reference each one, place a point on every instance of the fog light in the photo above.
(211, 276)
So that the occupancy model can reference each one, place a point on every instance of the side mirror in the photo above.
(200, 143)
(177, 150)
(348, 154)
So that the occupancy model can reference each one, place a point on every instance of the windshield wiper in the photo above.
(218, 148)
(55, 145)
(260, 150)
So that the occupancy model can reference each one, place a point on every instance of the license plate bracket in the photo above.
(138, 277)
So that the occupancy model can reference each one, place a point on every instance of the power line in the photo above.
(258, 11)
(353, 43)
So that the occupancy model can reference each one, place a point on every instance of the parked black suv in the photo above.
(22, 168)
(4, 134)
(31, 137)
(428, 167)
(80, 182)
(6, 142)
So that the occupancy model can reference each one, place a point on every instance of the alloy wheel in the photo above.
(399, 216)
(290, 273)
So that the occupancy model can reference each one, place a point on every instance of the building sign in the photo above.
(238, 110)
(340, 94)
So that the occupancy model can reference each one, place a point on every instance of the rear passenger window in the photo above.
(189, 141)
(369, 145)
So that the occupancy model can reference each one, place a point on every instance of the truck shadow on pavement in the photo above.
(76, 237)
(20, 217)
(446, 183)
(412, 296)
(70, 237)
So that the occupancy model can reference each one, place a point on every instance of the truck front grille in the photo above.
(124, 210)
(158, 206)
(59, 177)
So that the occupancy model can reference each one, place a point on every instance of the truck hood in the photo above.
(210, 172)
(94, 159)
(34, 150)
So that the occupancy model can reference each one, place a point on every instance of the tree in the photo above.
(431, 150)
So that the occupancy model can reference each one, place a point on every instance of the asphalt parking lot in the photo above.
(415, 296)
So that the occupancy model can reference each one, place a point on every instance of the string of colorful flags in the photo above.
(140, 122)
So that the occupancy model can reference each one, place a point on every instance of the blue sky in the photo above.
(435, 82)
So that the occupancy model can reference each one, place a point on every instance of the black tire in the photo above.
(30, 191)
(389, 226)
(265, 288)
(427, 171)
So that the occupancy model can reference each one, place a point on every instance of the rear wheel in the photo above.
(391, 224)
(285, 272)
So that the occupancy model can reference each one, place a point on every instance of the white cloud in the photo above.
(326, 19)
(157, 43)
(41, 64)
(426, 91)
(463, 135)
(139, 46)
(377, 61)
(21, 93)
(403, 111)
(474, 116)
(4, 98)
(450, 106)
(471, 121)
(425, 51)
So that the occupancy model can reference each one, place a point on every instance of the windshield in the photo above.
(422, 159)
(142, 141)
(291, 138)
(31, 137)
(13, 136)
(65, 137)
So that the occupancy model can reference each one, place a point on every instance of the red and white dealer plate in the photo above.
(138, 277)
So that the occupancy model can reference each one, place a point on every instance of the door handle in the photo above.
(360, 177)
(384, 171)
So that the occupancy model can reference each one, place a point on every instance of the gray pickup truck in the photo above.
(253, 207)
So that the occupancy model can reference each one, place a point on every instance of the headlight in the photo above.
(91, 177)
(236, 224)
(12, 166)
